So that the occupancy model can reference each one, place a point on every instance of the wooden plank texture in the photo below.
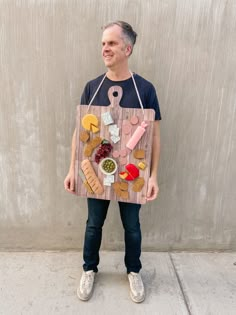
(119, 115)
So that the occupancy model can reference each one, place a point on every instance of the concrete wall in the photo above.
(49, 49)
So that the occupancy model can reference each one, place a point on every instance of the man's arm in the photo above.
(153, 188)
(69, 182)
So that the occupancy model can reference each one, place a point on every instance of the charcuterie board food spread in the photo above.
(113, 150)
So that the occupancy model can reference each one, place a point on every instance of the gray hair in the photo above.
(127, 30)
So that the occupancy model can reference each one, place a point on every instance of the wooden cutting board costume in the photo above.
(114, 144)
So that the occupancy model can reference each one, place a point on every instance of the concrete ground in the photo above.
(176, 283)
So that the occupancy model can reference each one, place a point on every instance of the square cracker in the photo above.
(124, 194)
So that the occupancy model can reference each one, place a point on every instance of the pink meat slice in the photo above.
(126, 129)
(123, 160)
(123, 153)
(126, 122)
(134, 120)
(116, 154)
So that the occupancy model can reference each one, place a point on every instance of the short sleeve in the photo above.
(85, 95)
(153, 102)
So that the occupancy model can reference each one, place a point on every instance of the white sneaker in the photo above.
(85, 288)
(137, 292)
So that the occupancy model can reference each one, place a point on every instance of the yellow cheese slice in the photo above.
(89, 120)
(94, 128)
(142, 165)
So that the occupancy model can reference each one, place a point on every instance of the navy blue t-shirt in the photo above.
(129, 99)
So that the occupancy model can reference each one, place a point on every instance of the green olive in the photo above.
(108, 166)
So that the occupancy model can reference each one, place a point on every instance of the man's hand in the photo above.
(69, 182)
(153, 189)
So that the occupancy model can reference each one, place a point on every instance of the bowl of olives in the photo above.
(108, 166)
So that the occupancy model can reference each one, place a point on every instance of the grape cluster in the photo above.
(103, 151)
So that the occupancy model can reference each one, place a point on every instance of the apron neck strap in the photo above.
(135, 86)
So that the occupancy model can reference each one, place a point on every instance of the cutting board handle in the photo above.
(115, 94)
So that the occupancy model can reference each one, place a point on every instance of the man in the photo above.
(117, 44)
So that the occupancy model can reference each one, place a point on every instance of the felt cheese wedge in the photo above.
(94, 128)
(90, 123)
(142, 165)
(123, 175)
(131, 172)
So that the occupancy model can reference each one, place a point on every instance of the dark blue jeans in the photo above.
(129, 213)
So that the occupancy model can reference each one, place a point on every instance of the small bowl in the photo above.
(104, 162)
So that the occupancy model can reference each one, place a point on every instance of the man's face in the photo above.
(115, 51)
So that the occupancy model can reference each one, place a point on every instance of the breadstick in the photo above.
(91, 177)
